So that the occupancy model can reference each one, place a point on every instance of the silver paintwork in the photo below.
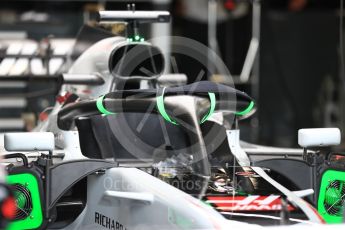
(137, 200)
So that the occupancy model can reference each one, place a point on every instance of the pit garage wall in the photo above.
(299, 61)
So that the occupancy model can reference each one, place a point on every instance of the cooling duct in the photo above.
(332, 196)
(26, 191)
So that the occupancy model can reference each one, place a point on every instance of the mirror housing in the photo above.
(136, 60)
(29, 141)
(319, 137)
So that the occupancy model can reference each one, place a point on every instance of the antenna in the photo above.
(134, 18)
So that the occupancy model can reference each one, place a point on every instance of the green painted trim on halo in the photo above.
(247, 110)
(101, 108)
(165, 115)
(161, 108)
(212, 97)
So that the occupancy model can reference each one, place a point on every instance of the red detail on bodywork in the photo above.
(62, 98)
(43, 116)
(339, 157)
(247, 203)
(87, 91)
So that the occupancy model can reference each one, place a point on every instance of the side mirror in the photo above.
(29, 141)
(319, 137)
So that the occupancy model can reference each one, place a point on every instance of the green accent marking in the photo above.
(35, 218)
(100, 106)
(136, 38)
(165, 115)
(161, 108)
(242, 193)
(212, 97)
(331, 196)
(247, 110)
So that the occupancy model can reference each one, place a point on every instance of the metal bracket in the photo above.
(234, 144)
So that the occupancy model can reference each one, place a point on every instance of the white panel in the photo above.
(14, 48)
(29, 48)
(12, 102)
(319, 137)
(36, 67)
(29, 141)
(12, 123)
(62, 48)
(54, 65)
(6, 65)
(20, 67)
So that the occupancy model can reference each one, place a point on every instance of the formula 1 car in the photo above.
(89, 179)
(65, 190)
(114, 193)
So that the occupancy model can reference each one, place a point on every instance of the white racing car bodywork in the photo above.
(128, 198)
(132, 199)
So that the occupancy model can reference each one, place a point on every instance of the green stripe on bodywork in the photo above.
(247, 110)
(101, 108)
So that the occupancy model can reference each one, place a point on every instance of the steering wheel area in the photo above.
(187, 106)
